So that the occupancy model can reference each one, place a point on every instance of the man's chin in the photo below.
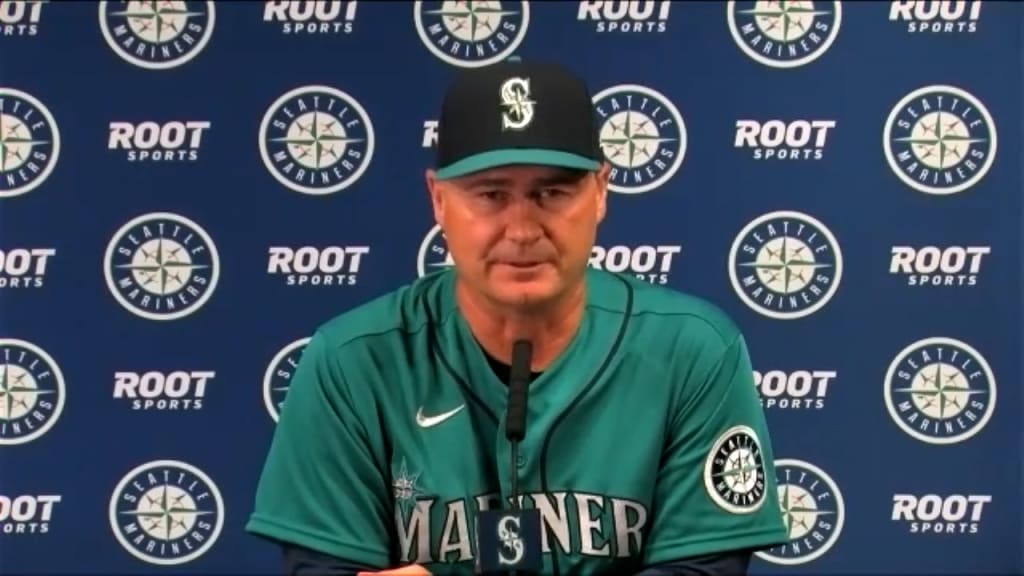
(529, 294)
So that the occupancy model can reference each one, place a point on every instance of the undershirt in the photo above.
(502, 370)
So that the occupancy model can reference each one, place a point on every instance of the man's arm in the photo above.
(323, 487)
(300, 561)
(716, 490)
(724, 564)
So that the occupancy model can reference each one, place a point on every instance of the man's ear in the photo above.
(436, 197)
(601, 176)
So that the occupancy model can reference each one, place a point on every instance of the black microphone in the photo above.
(515, 418)
(510, 540)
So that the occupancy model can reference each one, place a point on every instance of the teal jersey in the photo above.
(645, 440)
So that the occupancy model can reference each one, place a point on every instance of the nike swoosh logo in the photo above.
(428, 421)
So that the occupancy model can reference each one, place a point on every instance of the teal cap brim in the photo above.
(495, 158)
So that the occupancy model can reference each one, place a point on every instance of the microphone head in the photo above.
(522, 355)
(518, 384)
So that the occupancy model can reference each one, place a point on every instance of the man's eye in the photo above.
(553, 192)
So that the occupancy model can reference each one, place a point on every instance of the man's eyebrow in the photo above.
(564, 177)
(488, 182)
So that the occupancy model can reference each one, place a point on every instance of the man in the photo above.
(645, 448)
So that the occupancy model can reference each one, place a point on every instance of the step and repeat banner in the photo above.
(188, 188)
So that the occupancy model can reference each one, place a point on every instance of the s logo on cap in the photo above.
(515, 98)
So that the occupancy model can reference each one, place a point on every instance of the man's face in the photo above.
(520, 235)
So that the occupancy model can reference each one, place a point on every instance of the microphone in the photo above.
(511, 540)
(515, 418)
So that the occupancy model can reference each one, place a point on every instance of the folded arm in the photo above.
(299, 561)
(723, 564)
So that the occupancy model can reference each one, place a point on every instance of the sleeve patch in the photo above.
(734, 471)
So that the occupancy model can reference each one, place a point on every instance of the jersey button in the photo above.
(520, 460)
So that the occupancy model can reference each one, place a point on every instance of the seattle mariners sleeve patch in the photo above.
(734, 472)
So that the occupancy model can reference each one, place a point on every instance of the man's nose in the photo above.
(522, 224)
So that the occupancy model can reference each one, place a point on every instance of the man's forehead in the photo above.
(524, 174)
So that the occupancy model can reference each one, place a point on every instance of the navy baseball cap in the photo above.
(516, 112)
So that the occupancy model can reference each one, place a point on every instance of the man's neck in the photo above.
(496, 328)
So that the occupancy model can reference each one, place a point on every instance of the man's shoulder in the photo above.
(399, 313)
(668, 313)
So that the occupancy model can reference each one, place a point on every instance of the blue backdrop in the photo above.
(187, 189)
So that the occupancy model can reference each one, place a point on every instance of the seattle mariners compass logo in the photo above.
(940, 391)
(29, 143)
(166, 512)
(643, 137)
(433, 253)
(157, 35)
(940, 140)
(785, 265)
(813, 510)
(161, 266)
(278, 376)
(734, 471)
(784, 33)
(316, 140)
(31, 392)
(474, 33)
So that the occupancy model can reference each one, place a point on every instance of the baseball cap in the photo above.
(516, 112)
